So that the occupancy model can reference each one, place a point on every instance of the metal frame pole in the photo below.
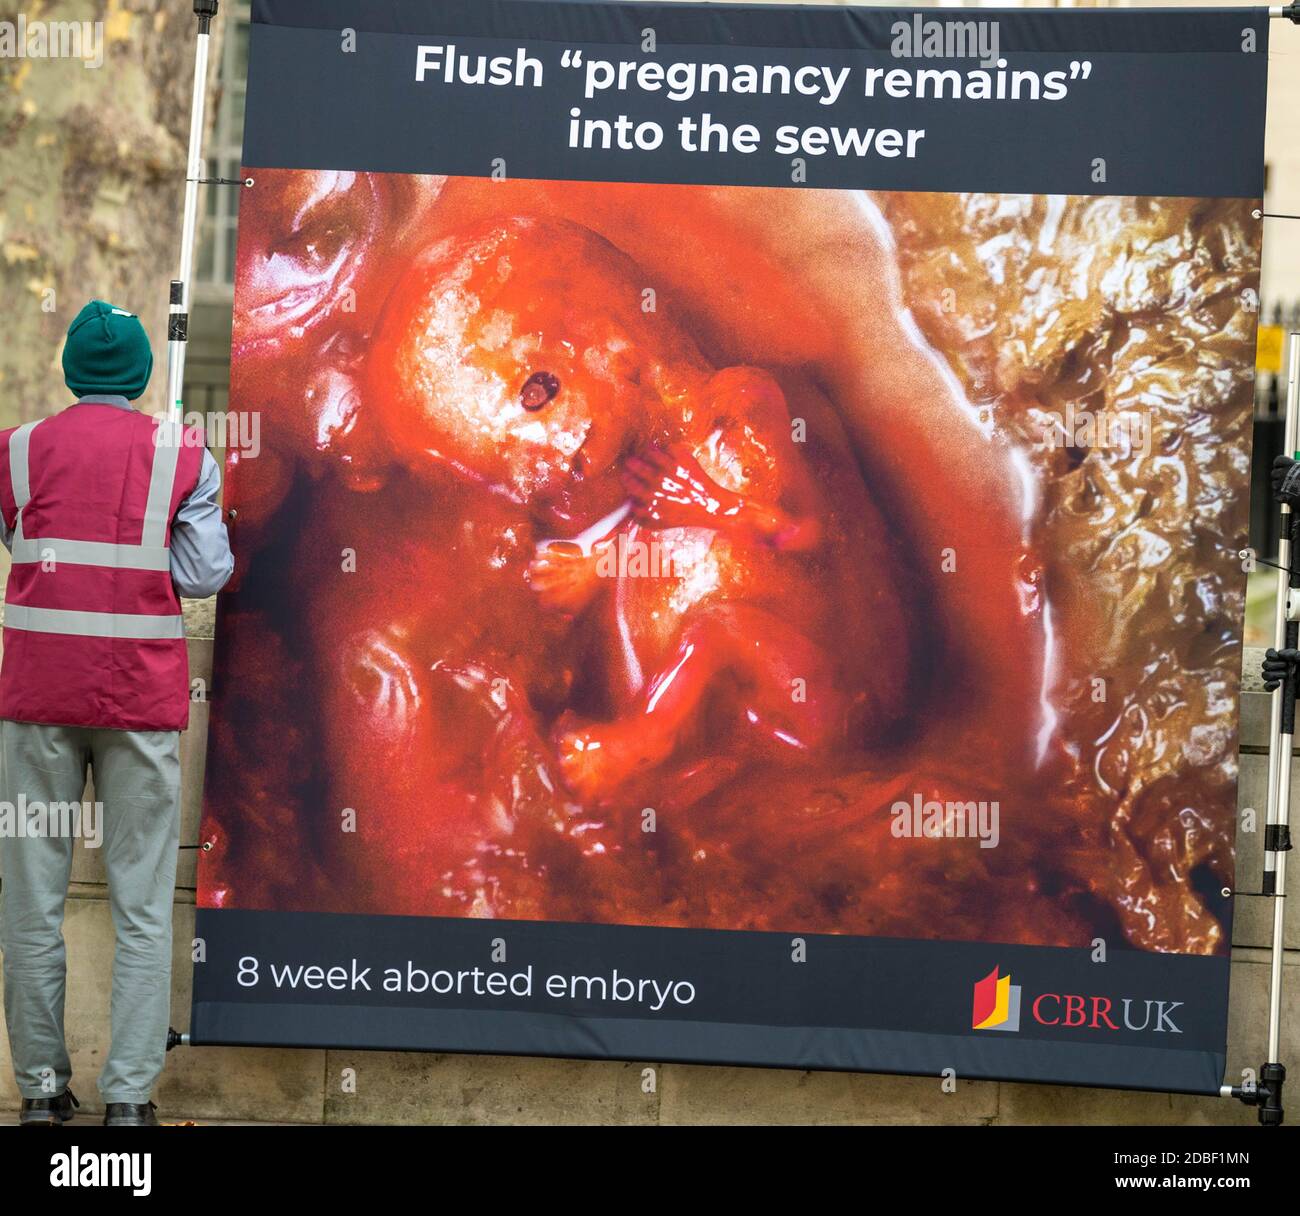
(1279, 775)
(1266, 1094)
(178, 315)
(1276, 842)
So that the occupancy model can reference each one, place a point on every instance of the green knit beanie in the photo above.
(107, 351)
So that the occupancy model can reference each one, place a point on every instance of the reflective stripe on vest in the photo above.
(93, 624)
(152, 553)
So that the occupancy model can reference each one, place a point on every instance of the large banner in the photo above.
(739, 534)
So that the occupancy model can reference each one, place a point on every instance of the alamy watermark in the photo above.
(930, 819)
(231, 430)
(928, 38)
(1126, 431)
(24, 39)
(628, 557)
(34, 820)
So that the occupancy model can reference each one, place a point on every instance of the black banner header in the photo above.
(1166, 102)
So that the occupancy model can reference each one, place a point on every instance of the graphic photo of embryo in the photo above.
(735, 558)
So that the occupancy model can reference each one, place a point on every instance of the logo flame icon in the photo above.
(997, 1003)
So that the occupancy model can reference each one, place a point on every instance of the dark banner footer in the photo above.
(984, 1011)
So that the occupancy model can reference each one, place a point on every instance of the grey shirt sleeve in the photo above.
(201, 561)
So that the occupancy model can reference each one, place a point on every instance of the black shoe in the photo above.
(130, 1114)
(47, 1112)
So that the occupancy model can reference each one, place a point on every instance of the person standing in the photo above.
(111, 515)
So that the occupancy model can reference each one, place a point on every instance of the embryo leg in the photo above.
(783, 685)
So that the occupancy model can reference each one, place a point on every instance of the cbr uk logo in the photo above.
(997, 1007)
(997, 1003)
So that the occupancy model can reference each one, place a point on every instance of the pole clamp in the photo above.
(176, 1039)
(1277, 838)
(1266, 1094)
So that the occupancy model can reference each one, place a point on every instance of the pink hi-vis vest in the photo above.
(93, 634)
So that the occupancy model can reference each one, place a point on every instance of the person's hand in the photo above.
(1285, 476)
(1276, 665)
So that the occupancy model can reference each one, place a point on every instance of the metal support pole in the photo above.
(1279, 775)
(1277, 831)
(1266, 1094)
(178, 319)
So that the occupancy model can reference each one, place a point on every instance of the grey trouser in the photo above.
(137, 783)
